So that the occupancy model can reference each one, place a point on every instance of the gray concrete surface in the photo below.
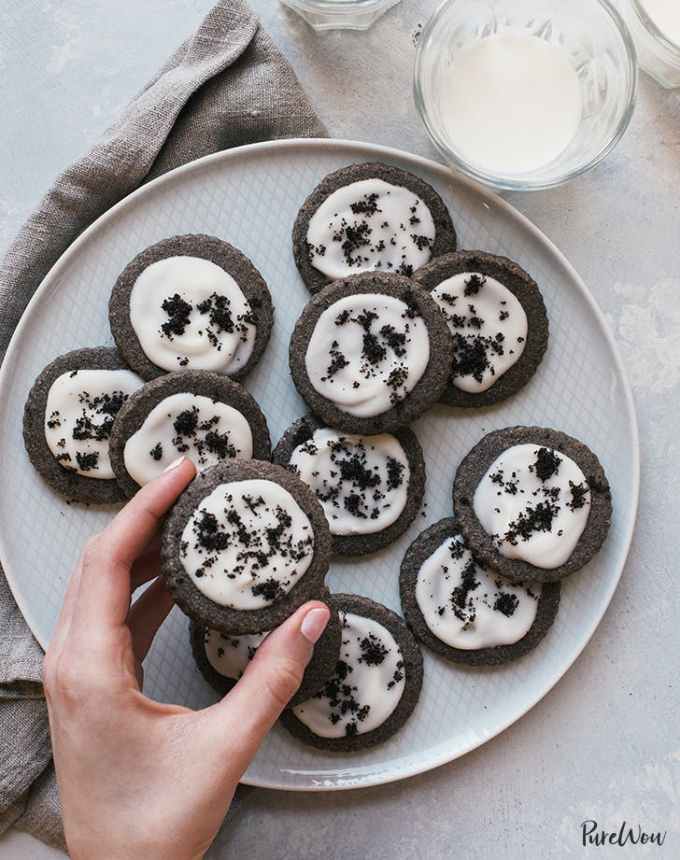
(604, 744)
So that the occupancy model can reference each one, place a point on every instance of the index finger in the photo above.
(104, 594)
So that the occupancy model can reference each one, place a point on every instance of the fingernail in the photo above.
(314, 623)
(174, 464)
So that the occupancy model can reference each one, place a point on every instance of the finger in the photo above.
(269, 682)
(104, 593)
(146, 615)
(147, 566)
(135, 525)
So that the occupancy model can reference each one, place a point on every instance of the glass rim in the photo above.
(341, 6)
(649, 25)
(525, 183)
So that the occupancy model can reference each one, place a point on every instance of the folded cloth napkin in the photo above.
(225, 86)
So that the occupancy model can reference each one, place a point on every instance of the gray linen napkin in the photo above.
(225, 86)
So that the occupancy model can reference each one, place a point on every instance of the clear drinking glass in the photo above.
(599, 47)
(658, 55)
(340, 14)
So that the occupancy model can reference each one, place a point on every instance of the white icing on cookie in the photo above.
(247, 544)
(370, 225)
(189, 313)
(535, 502)
(361, 481)
(206, 430)
(489, 328)
(229, 655)
(367, 352)
(367, 686)
(81, 406)
(468, 608)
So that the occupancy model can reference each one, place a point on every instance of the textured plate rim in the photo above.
(489, 198)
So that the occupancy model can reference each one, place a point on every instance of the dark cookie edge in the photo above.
(525, 290)
(229, 258)
(73, 487)
(445, 233)
(210, 614)
(217, 386)
(422, 547)
(429, 387)
(475, 464)
(413, 664)
(303, 429)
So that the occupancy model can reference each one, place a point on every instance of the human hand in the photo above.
(138, 778)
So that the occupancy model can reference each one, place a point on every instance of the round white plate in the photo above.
(250, 197)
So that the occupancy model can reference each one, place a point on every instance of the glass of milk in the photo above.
(525, 94)
(655, 26)
(340, 14)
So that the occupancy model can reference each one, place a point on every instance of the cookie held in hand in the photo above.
(244, 546)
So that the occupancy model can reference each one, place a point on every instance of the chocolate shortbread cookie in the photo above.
(465, 613)
(366, 217)
(370, 487)
(222, 657)
(191, 302)
(375, 687)
(206, 416)
(370, 353)
(532, 503)
(497, 318)
(245, 544)
(68, 419)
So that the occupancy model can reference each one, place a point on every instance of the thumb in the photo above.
(269, 682)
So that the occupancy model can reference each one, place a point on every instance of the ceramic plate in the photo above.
(250, 197)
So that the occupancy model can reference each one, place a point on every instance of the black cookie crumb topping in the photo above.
(466, 595)
(378, 343)
(355, 236)
(261, 551)
(538, 516)
(187, 425)
(352, 484)
(342, 695)
(217, 308)
(474, 348)
(198, 427)
(179, 316)
(106, 405)
(547, 464)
